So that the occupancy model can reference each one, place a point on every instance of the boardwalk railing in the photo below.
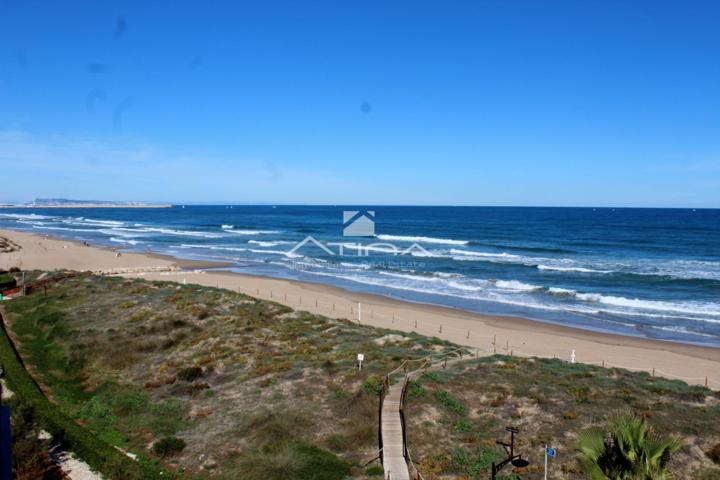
(394, 415)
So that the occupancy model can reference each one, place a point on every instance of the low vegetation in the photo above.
(200, 382)
(465, 409)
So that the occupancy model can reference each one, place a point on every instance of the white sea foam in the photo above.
(45, 227)
(26, 216)
(274, 243)
(122, 240)
(562, 292)
(277, 252)
(685, 330)
(253, 232)
(571, 269)
(184, 233)
(402, 238)
(122, 232)
(515, 285)
(212, 247)
(92, 222)
(692, 308)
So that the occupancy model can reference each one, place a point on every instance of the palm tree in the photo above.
(630, 450)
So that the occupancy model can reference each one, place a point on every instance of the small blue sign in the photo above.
(550, 452)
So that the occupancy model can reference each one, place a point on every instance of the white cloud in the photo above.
(132, 169)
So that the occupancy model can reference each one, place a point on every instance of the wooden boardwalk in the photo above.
(391, 430)
(395, 455)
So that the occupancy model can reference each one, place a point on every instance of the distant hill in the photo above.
(55, 202)
(68, 203)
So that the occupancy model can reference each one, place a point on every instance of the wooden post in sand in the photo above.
(507, 345)
(300, 299)
(653, 373)
(440, 331)
(416, 323)
(468, 335)
(316, 303)
(271, 294)
(603, 364)
(706, 381)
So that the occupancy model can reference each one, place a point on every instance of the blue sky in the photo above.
(601, 103)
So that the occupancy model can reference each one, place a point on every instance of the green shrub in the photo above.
(293, 460)
(450, 402)
(415, 390)
(7, 281)
(190, 374)
(374, 471)
(168, 446)
(474, 463)
(462, 426)
(373, 385)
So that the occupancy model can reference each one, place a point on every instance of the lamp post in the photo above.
(515, 460)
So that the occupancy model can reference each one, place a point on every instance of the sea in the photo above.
(642, 272)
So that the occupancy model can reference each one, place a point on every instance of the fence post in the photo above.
(653, 374)
(706, 384)
(603, 363)
(440, 331)
(507, 344)
(316, 303)
(416, 323)
(468, 335)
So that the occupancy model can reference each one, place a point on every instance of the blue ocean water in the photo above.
(643, 272)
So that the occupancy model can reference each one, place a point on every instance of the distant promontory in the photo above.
(68, 203)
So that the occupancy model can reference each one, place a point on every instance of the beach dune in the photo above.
(486, 333)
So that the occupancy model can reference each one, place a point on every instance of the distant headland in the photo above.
(67, 203)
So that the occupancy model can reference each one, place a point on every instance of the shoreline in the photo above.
(488, 333)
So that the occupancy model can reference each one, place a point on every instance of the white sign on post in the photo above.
(360, 359)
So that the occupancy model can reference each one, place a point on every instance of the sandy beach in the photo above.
(486, 333)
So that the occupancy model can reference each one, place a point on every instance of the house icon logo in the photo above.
(358, 223)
